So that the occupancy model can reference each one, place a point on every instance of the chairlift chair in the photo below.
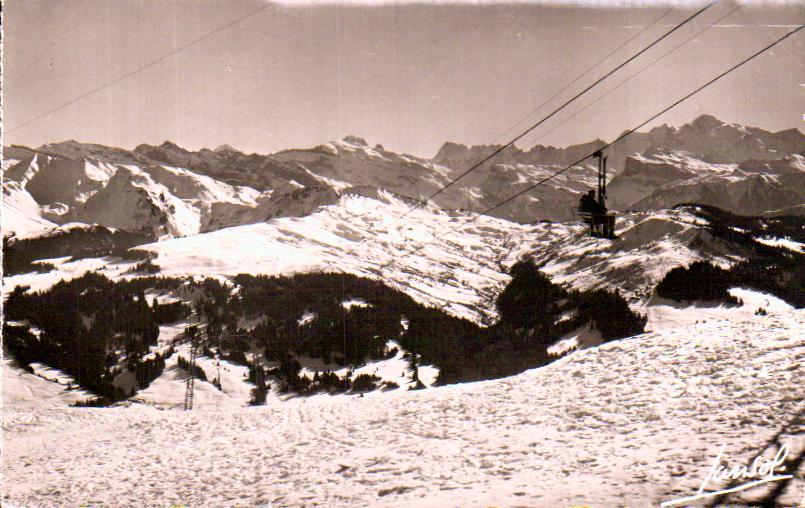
(592, 206)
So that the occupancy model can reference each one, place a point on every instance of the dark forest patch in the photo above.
(775, 270)
(84, 321)
(93, 241)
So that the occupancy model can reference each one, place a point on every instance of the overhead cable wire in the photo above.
(489, 157)
(576, 80)
(638, 73)
(138, 69)
(607, 145)
(560, 108)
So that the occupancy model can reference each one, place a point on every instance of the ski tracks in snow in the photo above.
(638, 421)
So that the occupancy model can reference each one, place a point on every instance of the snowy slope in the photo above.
(462, 272)
(666, 314)
(44, 388)
(440, 276)
(634, 422)
(647, 247)
(167, 391)
(67, 269)
(21, 214)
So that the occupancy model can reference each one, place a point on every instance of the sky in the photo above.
(409, 76)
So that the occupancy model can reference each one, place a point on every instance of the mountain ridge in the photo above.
(790, 140)
(171, 191)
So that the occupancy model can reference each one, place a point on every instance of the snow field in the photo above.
(637, 420)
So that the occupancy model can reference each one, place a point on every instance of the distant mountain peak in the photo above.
(355, 140)
(224, 148)
(170, 145)
(707, 122)
(793, 135)
(453, 144)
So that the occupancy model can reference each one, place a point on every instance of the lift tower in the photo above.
(193, 336)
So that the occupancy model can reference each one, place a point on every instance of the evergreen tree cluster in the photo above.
(258, 376)
(90, 242)
(780, 272)
(86, 320)
(530, 308)
(724, 223)
(290, 380)
(530, 300)
(699, 281)
(193, 369)
(607, 312)
(335, 334)
(82, 323)
(771, 269)
(327, 382)
(146, 371)
(213, 305)
(146, 266)
(777, 271)
(165, 313)
(92, 402)
(365, 383)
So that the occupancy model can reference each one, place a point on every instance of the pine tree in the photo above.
(530, 298)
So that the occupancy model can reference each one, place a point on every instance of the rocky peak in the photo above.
(355, 140)
(173, 147)
(707, 123)
(793, 136)
(449, 150)
(167, 152)
(224, 148)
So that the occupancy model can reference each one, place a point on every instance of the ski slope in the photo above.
(634, 422)
(664, 314)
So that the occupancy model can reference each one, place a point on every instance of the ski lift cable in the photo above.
(641, 71)
(576, 80)
(765, 30)
(138, 69)
(608, 145)
(560, 108)
(530, 129)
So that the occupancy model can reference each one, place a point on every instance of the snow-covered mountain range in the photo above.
(336, 207)
(737, 168)
(460, 273)
(168, 191)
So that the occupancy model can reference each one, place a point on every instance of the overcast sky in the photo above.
(407, 76)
